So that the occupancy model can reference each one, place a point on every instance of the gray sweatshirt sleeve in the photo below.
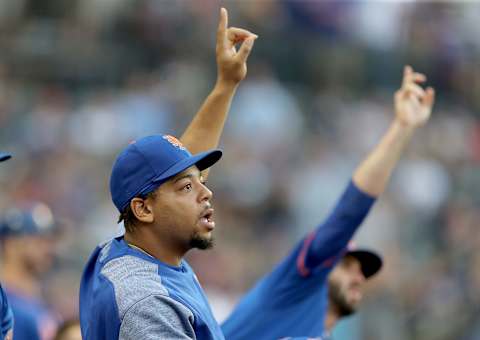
(157, 317)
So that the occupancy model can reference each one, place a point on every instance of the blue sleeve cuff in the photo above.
(326, 244)
(355, 198)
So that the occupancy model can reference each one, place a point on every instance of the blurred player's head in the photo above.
(157, 183)
(29, 237)
(346, 281)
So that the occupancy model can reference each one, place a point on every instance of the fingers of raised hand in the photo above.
(222, 27)
(409, 76)
(413, 103)
(227, 39)
(245, 49)
(410, 85)
(236, 35)
(429, 97)
(414, 89)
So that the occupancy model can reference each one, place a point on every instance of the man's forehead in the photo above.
(349, 260)
(190, 172)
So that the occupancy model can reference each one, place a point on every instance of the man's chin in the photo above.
(202, 242)
(349, 308)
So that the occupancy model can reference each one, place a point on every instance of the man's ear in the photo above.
(141, 209)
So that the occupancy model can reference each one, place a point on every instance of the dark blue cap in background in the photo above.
(4, 156)
(150, 161)
(36, 219)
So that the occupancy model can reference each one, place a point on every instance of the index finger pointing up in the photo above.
(222, 27)
(407, 72)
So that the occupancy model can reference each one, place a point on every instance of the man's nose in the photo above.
(206, 194)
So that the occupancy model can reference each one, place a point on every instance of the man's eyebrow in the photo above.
(187, 175)
(182, 177)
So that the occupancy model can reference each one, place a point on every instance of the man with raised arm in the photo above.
(299, 299)
(138, 286)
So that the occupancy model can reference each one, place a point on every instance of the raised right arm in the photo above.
(204, 132)
(413, 106)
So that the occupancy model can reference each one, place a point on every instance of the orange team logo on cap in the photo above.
(174, 141)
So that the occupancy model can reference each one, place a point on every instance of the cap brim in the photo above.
(202, 160)
(4, 156)
(370, 261)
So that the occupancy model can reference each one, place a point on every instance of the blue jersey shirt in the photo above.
(291, 301)
(127, 294)
(33, 319)
(6, 317)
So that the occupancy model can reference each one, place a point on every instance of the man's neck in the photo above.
(151, 246)
(18, 279)
(331, 318)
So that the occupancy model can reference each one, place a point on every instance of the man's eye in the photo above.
(187, 187)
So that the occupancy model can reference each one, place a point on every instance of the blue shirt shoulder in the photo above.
(127, 294)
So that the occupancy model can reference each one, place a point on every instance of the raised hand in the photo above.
(232, 64)
(413, 104)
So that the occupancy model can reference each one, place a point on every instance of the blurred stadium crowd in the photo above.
(80, 79)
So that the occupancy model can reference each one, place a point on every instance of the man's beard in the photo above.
(339, 301)
(199, 242)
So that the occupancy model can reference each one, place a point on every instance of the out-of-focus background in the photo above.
(79, 79)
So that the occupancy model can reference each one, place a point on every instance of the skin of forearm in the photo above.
(204, 132)
(372, 175)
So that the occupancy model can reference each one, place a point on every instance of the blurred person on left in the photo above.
(28, 246)
(6, 315)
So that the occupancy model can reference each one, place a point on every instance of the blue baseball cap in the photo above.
(150, 161)
(34, 219)
(4, 156)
